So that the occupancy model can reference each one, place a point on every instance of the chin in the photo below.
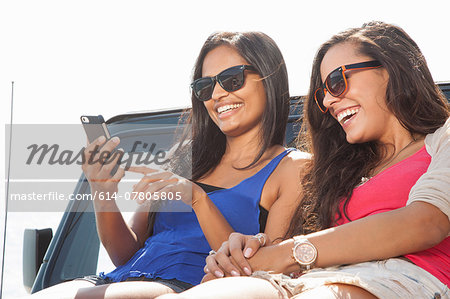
(351, 141)
(354, 139)
(231, 132)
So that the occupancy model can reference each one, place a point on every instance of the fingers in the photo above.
(111, 163)
(102, 155)
(227, 264)
(254, 243)
(160, 186)
(233, 256)
(158, 176)
(237, 250)
(205, 268)
(96, 159)
(109, 146)
(89, 153)
(208, 277)
(211, 263)
(230, 258)
(120, 173)
(155, 181)
(144, 182)
(147, 187)
(141, 169)
(222, 264)
(99, 141)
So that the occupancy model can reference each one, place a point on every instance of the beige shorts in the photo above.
(392, 278)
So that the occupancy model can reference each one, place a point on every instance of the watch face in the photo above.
(305, 253)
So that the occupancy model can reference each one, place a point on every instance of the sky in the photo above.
(89, 57)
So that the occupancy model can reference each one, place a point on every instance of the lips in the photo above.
(345, 115)
(228, 107)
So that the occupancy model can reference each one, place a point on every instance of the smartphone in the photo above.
(95, 126)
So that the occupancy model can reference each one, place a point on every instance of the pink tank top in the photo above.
(389, 190)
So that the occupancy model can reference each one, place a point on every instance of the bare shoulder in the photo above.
(299, 156)
(294, 161)
(284, 183)
(291, 167)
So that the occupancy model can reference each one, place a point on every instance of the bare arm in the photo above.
(282, 201)
(213, 224)
(118, 238)
(422, 224)
(288, 177)
(413, 228)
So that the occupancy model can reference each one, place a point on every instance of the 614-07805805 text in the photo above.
(56, 196)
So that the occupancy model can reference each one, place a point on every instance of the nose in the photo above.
(329, 100)
(218, 91)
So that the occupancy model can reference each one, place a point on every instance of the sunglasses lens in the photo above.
(232, 79)
(335, 83)
(319, 96)
(203, 88)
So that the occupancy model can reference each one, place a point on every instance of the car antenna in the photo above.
(7, 188)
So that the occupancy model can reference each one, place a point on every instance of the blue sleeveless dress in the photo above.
(178, 248)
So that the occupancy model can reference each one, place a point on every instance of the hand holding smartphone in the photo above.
(95, 126)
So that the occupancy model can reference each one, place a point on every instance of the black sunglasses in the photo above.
(336, 82)
(230, 79)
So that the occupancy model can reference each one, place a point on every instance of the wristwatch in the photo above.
(304, 252)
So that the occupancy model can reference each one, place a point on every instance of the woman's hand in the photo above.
(232, 257)
(98, 164)
(159, 182)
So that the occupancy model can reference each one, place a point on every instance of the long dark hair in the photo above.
(202, 144)
(259, 50)
(337, 166)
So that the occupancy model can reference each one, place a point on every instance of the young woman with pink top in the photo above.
(377, 125)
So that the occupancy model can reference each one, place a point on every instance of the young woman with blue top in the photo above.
(245, 179)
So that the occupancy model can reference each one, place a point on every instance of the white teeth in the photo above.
(346, 113)
(228, 107)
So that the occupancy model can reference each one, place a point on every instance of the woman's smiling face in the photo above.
(239, 111)
(361, 110)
